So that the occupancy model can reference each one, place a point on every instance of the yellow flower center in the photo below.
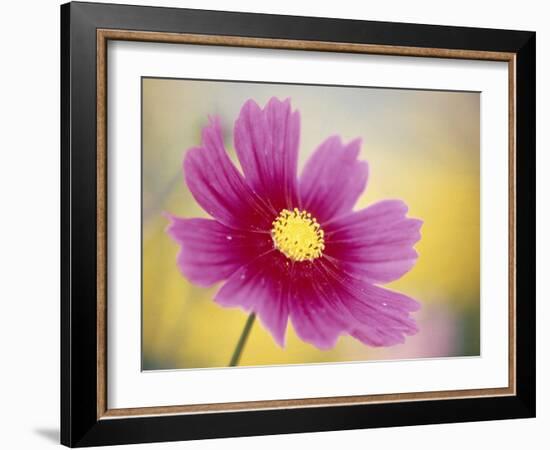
(297, 235)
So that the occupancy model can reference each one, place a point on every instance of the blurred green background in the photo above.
(422, 147)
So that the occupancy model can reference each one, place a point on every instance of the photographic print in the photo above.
(301, 224)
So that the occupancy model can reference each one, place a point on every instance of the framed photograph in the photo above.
(276, 224)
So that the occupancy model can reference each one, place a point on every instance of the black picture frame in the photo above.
(80, 425)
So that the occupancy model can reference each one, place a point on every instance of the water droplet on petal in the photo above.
(229, 237)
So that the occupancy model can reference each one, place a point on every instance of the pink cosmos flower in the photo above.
(288, 247)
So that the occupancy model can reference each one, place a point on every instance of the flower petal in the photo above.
(266, 142)
(333, 179)
(261, 287)
(374, 315)
(313, 316)
(211, 252)
(322, 301)
(219, 188)
(376, 243)
(326, 302)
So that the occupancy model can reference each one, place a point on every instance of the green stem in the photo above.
(242, 340)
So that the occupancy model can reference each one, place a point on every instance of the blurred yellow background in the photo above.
(422, 147)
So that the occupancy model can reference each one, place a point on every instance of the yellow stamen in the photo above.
(298, 235)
